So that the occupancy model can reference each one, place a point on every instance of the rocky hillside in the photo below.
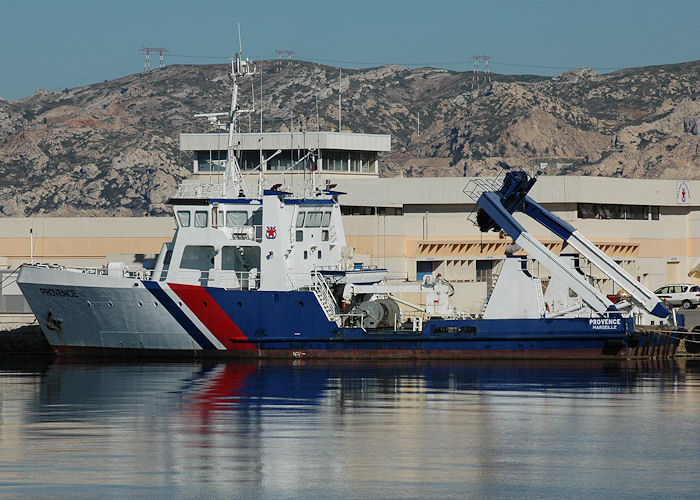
(112, 148)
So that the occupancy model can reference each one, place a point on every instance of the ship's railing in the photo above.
(120, 272)
(348, 320)
(371, 267)
(229, 279)
(199, 191)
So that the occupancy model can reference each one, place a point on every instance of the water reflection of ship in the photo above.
(257, 425)
(238, 385)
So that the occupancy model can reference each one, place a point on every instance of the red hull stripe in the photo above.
(212, 316)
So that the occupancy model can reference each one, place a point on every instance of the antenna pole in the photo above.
(318, 124)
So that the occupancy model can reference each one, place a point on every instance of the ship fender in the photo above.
(692, 341)
(380, 313)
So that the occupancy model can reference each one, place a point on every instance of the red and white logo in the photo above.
(271, 233)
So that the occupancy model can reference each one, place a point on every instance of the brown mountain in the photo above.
(112, 148)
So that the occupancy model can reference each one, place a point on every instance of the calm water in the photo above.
(390, 430)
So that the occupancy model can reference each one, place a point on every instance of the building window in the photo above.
(200, 218)
(184, 218)
(389, 210)
(211, 161)
(357, 210)
(300, 235)
(636, 212)
(424, 268)
(306, 255)
(654, 213)
(612, 211)
(319, 254)
(300, 219)
(335, 161)
(324, 235)
(362, 161)
(484, 270)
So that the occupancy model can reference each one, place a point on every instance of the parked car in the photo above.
(685, 295)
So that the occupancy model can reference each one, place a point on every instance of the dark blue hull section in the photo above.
(294, 324)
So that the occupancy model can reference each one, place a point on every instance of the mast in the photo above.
(233, 185)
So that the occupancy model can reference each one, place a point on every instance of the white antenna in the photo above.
(318, 124)
(240, 45)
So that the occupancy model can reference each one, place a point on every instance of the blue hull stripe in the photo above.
(178, 314)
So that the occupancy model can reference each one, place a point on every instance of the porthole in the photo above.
(240, 304)
(89, 304)
(140, 304)
(205, 303)
(179, 304)
(109, 304)
(155, 304)
(301, 303)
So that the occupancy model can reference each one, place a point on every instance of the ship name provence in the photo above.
(59, 292)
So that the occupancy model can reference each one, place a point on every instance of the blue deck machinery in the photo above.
(496, 209)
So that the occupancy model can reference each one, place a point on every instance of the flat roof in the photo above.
(288, 140)
(401, 191)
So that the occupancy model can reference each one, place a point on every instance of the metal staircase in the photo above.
(324, 295)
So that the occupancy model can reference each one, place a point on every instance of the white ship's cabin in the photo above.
(272, 243)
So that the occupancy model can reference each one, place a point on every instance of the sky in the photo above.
(69, 43)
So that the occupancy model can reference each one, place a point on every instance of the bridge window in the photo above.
(300, 219)
(199, 257)
(325, 222)
(241, 259)
(313, 219)
(236, 218)
(183, 218)
(200, 218)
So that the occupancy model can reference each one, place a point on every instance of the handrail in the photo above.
(324, 295)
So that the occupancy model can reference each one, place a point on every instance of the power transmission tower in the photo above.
(147, 51)
(290, 55)
(279, 53)
(477, 65)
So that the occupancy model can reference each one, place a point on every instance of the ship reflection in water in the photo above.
(390, 430)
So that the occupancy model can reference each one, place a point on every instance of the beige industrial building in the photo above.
(411, 226)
